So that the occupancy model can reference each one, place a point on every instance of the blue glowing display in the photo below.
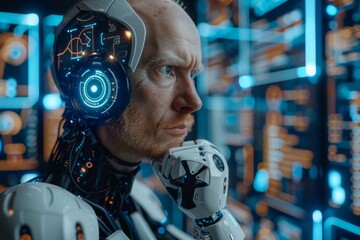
(20, 45)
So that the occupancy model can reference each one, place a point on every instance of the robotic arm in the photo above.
(196, 177)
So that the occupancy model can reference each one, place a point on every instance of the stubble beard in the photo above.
(138, 136)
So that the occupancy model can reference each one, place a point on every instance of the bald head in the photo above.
(166, 23)
(154, 7)
(162, 14)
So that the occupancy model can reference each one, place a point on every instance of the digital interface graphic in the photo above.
(19, 91)
(262, 107)
(19, 60)
(343, 120)
(89, 33)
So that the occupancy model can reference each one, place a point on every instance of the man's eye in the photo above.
(167, 70)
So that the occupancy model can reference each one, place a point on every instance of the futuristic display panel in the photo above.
(283, 40)
(287, 155)
(266, 117)
(19, 91)
(19, 60)
(343, 153)
(288, 133)
(226, 118)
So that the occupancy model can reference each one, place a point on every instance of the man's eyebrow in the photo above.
(162, 59)
(170, 60)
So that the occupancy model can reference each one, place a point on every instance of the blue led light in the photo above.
(334, 179)
(317, 216)
(246, 81)
(311, 70)
(331, 10)
(94, 88)
(338, 195)
(161, 230)
(102, 38)
(32, 19)
(52, 101)
(261, 181)
(317, 225)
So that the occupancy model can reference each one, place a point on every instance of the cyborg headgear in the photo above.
(94, 45)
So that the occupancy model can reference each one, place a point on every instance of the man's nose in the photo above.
(187, 99)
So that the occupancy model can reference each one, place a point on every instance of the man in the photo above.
(163, 93)
(98, 160)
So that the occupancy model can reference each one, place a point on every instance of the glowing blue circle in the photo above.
(103, 86)
(246, 81)
(331, 10)
(94, 88)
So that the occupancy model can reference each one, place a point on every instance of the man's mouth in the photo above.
(178, 130)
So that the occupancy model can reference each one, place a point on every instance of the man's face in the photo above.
(164, 96)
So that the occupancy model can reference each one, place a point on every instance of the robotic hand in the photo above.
(196, 177)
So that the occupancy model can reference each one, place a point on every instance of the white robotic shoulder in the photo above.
(45, 211)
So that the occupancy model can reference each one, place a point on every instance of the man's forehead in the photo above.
(157, 8)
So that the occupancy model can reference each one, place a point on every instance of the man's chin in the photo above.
(158, 154)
